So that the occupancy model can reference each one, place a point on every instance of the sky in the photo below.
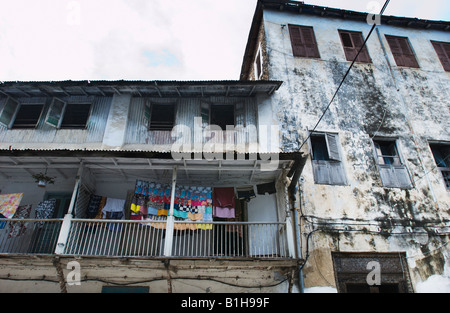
(43, 40)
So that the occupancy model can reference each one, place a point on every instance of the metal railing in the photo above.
(29, 236)
(191, 239)
(145, 238)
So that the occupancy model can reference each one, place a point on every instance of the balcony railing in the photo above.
(124, 238)
(23, 236)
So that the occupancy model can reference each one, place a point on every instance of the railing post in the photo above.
(170, 219)
(67, 222)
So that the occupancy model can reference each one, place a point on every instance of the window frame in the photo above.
(403, 57)
(364, 56)
(443, 55)
(311, 49)
(149, 112)
(442, 169)
(330, 171)
(24, 126)
(76, 126)
(55, 116)
(7, 118)
(395, 174)
(258, 69)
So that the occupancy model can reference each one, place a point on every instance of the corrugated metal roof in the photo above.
(163, 89)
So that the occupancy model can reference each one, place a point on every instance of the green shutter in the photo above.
(55, 113)
(8, 112)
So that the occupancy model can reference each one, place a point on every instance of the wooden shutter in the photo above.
(443, 52)
(55, 113)
(303, 41)
(402, 176)
(321, 172)
(402, 51)
(333, 148)
(8, 112)
(387, 176)
(352, 42)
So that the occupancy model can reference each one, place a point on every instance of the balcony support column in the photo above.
(67, 222)
(170, 217)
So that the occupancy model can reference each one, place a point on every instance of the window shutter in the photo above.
(8, 112)
(408, 55)
(402, 175)
(303, 41)
(401, 51)
(333, 148)
(310, 42)
(336, 171)
(358, 42)
(387, 176)
(443, 52)
(298, 47)
(55, 113)
(321, 172)
(347, 43)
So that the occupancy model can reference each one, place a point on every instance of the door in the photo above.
(46, 234)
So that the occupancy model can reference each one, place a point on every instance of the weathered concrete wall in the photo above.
(410, 105)
(52, 274)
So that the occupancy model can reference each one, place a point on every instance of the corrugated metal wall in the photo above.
(45, 133)
(186, 110)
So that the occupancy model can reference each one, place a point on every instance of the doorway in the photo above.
(45, 235)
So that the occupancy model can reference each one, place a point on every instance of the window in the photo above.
(222, 115)
(8, 111)
(258, 64)
(28, 116)
(393, 173)
(162, 117)
(326, 159)
(354, 271)
(68, 115)
(76, 115)
(441, 154)
(402, 52)
(352, 42)
(303, 41)
(443, 52)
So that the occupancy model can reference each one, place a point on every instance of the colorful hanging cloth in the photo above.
(9, 204)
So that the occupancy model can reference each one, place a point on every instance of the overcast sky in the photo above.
(144, 39)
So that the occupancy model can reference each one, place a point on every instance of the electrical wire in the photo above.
(345, 76)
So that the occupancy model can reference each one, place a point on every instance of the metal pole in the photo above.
(170, 218)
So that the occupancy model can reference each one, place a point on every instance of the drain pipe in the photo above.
(295, 173)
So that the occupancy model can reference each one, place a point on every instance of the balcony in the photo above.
(125, 238)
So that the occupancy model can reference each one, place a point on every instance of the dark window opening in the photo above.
(387, 152)
(76, 115)
(28, 116)
(319, 148)
(162, 117)
(441, 154)
(222, 115)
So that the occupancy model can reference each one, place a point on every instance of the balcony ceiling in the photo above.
(119, 169)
